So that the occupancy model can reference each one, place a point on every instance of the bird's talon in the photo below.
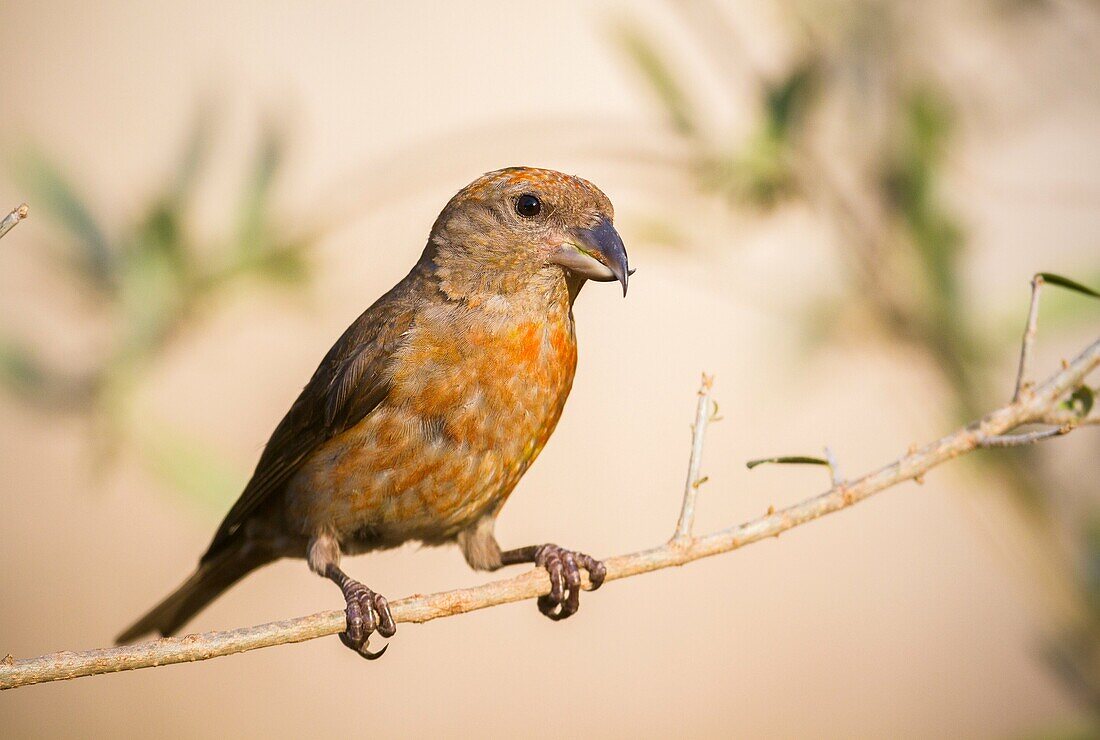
(374, 656)
(597, 571)
(386, 626)
(366, 613)
(361, 647)
(564, 568)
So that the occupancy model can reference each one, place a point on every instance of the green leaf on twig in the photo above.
(1065, 282)
(1080, 401)
(790, 460)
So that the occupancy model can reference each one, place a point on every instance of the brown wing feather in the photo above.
(349, 383)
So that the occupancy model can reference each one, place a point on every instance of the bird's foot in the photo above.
(366, 611)
(564, 567)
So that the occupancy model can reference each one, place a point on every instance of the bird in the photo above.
(427, 411)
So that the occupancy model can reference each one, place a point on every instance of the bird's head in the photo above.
(520, 226)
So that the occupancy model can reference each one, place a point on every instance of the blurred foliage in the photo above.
(903, 244)
(762, 170)
(148, 281)
(662, 80)
(191, 467)
(758, 171)
(938, 320)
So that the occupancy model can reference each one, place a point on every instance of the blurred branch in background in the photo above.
(682, 548)
(8, 223)
(858, 124)
(146, 283)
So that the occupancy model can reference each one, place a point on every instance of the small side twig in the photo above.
(1018, 440)
(834, 468)
(1029, 336)
(1065, 417)
(17, 215)
(703, 416)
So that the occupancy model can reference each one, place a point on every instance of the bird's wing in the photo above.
(349, 383)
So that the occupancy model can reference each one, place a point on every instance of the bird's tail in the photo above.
(213, 576)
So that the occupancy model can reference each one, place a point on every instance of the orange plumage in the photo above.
(428, 410)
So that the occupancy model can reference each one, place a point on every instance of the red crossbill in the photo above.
(424, 415)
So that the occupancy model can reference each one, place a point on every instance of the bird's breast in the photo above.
(474, 396)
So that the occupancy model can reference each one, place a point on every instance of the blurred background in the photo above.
(835, 207)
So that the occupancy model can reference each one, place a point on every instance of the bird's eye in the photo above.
(528, 205)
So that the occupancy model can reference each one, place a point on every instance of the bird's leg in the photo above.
(479, 546)
(366, 611)
(565, 575)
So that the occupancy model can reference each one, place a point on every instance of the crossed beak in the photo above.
(595, 254)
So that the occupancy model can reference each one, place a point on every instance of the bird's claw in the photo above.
(367, 613)
(564, 567)
(362, 650)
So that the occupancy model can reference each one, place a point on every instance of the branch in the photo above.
(1029, 336)
(1061, 417)
(703, 416)
(1019, 440)
(1033, 407)
(13, 218)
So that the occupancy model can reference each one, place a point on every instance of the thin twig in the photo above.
(17, 215)
(1019, 440)
(1029, 336)
(703, 414)
(1061, 416)
(66, 665)
(834, 468)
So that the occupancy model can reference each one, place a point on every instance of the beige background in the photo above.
(898, 618)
